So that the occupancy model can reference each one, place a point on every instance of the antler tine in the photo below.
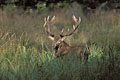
(48, 23)
(48, 18)
(53, 18)
(62, 30)
(74, 18)
(77, 22)
(68, 30)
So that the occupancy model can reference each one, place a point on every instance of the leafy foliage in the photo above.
(40, 4)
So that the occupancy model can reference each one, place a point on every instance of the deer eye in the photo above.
(56, 47)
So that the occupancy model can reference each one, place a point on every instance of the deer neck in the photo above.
(66, 45)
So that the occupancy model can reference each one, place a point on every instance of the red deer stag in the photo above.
(60, 46)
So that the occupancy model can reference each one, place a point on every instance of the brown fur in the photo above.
(62, 48)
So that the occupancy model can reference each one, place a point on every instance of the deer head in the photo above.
(60, 46)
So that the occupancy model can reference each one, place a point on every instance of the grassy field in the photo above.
(26, 53)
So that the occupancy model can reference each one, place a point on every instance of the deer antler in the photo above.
(77, 22)
(48, 23)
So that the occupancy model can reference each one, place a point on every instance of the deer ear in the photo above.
(51, 37)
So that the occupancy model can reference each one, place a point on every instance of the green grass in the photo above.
(18, 62)
(26, 53)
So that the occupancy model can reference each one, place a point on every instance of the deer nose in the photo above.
(57, 55)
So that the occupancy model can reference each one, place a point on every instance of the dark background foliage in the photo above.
(34, 4)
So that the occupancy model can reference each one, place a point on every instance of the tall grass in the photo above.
(18, 62)
(26, 53)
